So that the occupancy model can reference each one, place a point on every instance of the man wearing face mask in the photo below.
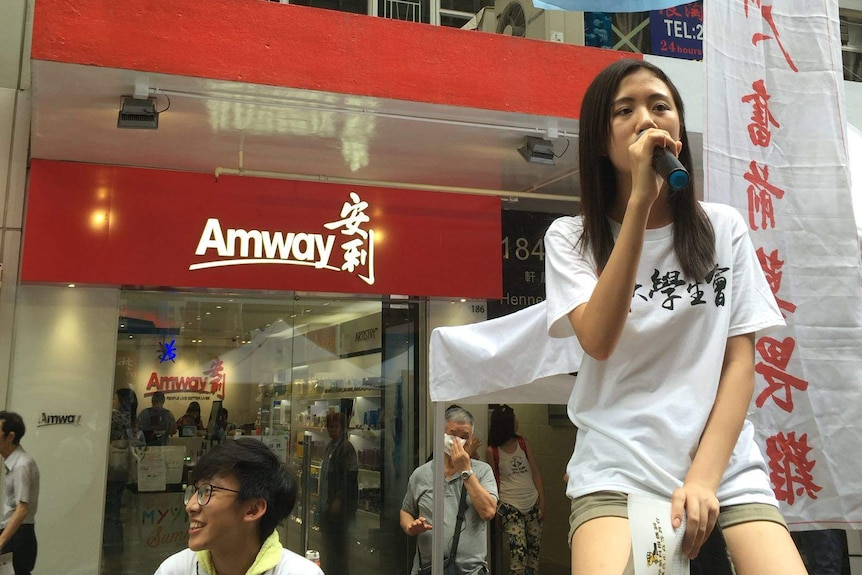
(461, 472)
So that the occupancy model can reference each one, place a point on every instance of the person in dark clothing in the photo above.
(156, 422)
(824, 551)
(190, 423)
(124, 438)
(713, 558)
(339, 496)
(222, 427)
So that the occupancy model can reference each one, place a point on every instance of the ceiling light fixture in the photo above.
(137, 113)
(537, 150)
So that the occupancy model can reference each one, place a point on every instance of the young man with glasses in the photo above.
(241, 491)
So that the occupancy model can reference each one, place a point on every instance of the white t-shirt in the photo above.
(186, 563)
(640, 413)
(516, 479)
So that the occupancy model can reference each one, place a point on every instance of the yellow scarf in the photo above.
(267, 558)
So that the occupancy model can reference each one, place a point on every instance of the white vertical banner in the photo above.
(776, 149)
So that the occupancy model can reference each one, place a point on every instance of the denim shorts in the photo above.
(615, 504)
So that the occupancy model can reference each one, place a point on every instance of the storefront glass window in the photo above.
(328, 383)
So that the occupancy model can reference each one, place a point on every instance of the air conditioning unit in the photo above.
(521, 19)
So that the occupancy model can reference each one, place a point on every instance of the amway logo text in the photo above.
(263, 247)
(58, 420)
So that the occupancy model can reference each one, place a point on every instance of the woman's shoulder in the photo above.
(566, 224)
(721, 213)
(510, 446)
(726, 221)
(564, 231)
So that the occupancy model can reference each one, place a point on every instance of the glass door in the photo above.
(335, 376)
(350, 391)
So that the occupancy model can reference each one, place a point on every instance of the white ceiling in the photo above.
(208, 124)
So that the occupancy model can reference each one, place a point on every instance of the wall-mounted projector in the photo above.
(138, 114)
(537, 150)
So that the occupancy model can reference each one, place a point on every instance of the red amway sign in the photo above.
(111, 225)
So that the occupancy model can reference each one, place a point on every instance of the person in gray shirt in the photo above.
(156, 422)
(460, 472)
(20, 496)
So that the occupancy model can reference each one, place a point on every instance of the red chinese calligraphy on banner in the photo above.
(776, 355)
(790, 467)
(766, 14)
(760, 195)
(771, 266)
(761, 117)
(760, 161)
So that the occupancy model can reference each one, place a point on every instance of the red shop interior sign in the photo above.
(111, 225)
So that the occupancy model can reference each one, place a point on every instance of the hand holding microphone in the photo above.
(669, 168)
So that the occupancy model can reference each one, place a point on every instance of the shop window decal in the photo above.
(168, 351)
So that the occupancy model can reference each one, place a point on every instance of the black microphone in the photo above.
(669, 168)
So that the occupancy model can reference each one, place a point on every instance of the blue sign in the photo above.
(678, 32)
(167, 351)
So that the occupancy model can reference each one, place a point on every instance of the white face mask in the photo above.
(447, 442)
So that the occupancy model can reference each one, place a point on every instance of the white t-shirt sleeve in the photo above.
(570, 275)
(753, 308)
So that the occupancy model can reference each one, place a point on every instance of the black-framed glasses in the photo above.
(204, 491)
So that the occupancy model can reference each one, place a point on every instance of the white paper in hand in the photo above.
(656, 546)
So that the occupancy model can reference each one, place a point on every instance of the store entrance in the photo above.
(328, 383)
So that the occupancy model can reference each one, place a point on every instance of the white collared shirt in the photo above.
(21, 485)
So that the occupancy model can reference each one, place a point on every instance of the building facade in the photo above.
(269, 117)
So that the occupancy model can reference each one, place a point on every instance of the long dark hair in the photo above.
(693, 236)
(501, 427)
(128, 403)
